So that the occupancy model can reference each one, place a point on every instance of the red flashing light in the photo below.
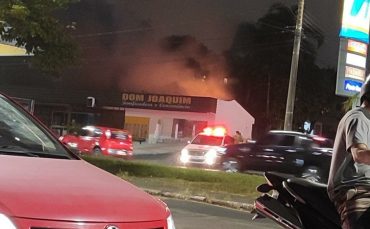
(208, 130)
(217, 131)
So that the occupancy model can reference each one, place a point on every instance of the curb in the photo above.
(229, 204)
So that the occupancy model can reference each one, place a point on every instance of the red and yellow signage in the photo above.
(355, 73)
(357, 47)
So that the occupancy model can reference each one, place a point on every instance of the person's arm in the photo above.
(360, 153)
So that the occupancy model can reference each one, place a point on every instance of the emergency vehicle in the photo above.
(204, 148)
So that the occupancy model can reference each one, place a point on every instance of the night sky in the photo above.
(214, 21)
(119, 42)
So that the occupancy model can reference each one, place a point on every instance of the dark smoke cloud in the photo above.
(122, 51)
(177, 65)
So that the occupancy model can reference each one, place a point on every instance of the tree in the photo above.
(32, 25)
(260, 60)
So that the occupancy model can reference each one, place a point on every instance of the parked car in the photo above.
(202, 150)
(288, 152)
(47, 186)
(101, 141)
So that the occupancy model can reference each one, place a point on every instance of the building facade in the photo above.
(150, 117)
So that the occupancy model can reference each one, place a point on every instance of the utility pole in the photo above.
(268, 96)
(294, 68)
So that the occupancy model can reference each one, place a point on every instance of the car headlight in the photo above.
(184, 158)
(211, 156)
(212, 153)
(184, 152)
(221, 150)
(6, 223)
(170, 223)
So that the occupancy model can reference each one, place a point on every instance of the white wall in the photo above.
(167, 118)
(234, 117)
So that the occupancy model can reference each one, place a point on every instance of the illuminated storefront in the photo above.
(161, 117)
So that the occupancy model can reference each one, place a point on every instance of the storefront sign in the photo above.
(351, 67)
(357, 47)
(352, 86)
(355, 73)
(356, 19)
(169, 102)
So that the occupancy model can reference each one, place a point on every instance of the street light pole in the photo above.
(294, 68)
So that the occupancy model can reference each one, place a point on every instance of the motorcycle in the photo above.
(295, 203)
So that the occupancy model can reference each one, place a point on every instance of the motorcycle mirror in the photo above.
(264, 188)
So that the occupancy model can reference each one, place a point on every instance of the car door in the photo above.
(290, 153)
(92, 139)
(80, 138)
(86, 138)
(264, 155)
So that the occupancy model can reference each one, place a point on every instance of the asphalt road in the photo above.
(194, 215)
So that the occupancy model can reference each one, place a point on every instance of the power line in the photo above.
(168, 25)
(177, 42)
(264, 45)
(306, 50)
(173, 60)
(273, 26)
(313, 19)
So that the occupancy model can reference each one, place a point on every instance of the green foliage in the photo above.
(220, 181)
(348, 104)
(31, 24)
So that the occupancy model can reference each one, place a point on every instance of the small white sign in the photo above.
(356, 60)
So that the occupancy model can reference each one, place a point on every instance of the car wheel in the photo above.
(231, 165)
(313, 174)
(97, 152)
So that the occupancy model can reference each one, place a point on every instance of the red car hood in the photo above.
(71, 190)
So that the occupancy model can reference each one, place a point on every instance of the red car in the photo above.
(45, 185)
(100, 141)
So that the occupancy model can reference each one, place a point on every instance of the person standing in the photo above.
(349, 177)
(238, 138)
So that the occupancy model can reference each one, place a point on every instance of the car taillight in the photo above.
(321, 139)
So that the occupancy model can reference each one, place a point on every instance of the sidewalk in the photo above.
(158, 148)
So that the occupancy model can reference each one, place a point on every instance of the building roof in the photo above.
(63, 96)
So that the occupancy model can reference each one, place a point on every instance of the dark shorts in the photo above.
(354, 212)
